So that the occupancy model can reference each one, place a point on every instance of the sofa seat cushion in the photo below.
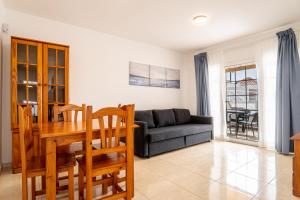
(145, 116)
(164, 117)
(165, 133)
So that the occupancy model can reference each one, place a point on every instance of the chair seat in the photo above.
(38, 163)
(103, 161)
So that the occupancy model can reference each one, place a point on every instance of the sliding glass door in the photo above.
(242, 102)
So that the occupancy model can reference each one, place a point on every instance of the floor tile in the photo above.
(271, 192)
(243, 183)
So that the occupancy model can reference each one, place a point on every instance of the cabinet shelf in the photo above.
(54, 85)
(62, 67)
(21, 63)
(28, 83)
(25, 104)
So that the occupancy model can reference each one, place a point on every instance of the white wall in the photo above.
(189, 83)
(98, 67)
(1, 21)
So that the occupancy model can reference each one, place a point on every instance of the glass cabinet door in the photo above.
(56, 68)
(26, 66)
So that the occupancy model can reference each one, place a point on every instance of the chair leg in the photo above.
(43, 182)
(71, 183)
(33, 188)
(115, 182)
(57, 182)
(128, 192)
(80, 184)
(24, 187)
(89, 188)
(104, 185)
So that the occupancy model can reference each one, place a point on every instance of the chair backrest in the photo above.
(255, 117)
(109, 120)
(26, 135)
(229, 107)
(123, 120)
(67, 110)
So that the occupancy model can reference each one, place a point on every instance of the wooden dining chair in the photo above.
(112, 156)
(67, 111)
(34, 165)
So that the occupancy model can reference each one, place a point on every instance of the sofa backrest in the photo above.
(182, 116)
(145, 116)
(163, 117)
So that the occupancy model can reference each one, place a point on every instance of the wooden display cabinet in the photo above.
(40, 78)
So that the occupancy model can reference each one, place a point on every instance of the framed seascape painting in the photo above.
(153, 76)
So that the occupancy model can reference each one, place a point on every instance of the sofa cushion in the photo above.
(145, 116)
(164, 117)
(165, 133)
(182, 116)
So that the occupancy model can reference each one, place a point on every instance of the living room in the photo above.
(213, 86)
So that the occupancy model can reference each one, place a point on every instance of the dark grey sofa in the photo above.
(169, 129)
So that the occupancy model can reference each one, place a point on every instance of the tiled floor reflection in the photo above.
(215, 170)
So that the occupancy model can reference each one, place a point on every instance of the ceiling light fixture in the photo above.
(200, 19)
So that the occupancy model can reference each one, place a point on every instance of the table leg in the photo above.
(131, 167)
(50, 169)
(132, 177)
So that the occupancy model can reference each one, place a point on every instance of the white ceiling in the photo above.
(167, 23)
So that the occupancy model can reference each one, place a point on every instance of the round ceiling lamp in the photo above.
(199, 19)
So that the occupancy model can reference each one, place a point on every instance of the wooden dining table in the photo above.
(57, 134)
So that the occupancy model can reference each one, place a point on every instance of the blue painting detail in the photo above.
(138, 80)
(173, 83)
(157, 83)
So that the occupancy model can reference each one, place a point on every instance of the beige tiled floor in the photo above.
(215, 170)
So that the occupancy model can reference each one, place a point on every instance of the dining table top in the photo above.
(60, 129)
(296, 136)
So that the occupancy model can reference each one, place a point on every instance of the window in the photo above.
(242, 102)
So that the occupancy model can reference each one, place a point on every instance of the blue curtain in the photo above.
(201, 69)
(287, 91)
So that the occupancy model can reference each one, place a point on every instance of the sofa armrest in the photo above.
(201, 119)
(141, 145)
